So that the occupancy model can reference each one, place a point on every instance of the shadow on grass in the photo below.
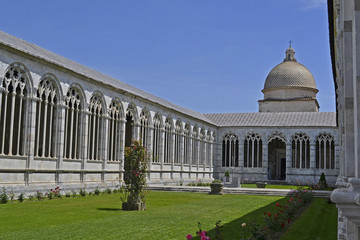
(109, 209)
(234, 230)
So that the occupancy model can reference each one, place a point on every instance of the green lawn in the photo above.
(170, 215)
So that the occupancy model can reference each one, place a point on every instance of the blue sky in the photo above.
(207, 55)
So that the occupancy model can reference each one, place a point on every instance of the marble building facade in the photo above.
(64, 124)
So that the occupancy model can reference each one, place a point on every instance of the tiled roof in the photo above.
(274, 119)
(36, 51)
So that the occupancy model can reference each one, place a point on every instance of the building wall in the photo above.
(30, 172)
(293, 175)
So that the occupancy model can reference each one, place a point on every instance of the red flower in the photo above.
(269, 214)
(282, 224)
(278, 204)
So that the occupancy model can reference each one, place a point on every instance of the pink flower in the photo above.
(203, 233)
(189, 236)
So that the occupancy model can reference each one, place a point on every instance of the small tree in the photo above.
(322, 181)
(135, 167)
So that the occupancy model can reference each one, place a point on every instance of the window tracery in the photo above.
(156, 138)
(177, 150)
(115, 116)
(73, 123)
(46, 113)
(13, 112)
(253, 150)
(168, 140)
(95, 128)
(325, 151)
(230, 150)
(300, 151)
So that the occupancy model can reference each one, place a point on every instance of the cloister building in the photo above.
(62, 123)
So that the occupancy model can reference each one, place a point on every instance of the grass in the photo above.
(318, 222)
(170, 215)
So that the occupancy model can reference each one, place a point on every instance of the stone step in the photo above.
(245, 191)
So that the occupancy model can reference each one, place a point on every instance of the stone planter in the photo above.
(216, 188)
(140, 206)
(261, 184)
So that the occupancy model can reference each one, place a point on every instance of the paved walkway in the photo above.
(226, 190)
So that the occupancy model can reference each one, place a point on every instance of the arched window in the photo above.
(115, 116)
(230, 150)
(144, 128)
(95, 128)
(325, 151)
(187, 144)
(253, 150)
(202, 147)
(300, 151)
(156, 138)
(13, 112)
(130, 117)
(168, 140)
(194, 147)
(46, 113)
(72, 138)
(177, 150)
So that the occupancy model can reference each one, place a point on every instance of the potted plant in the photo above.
(227, 176)
(216, 187)
(322, 181)
(261, 184)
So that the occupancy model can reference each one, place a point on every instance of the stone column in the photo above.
(181, 155)
(84, 136)
(172, 153)
(288, 161)
(313, 155)
(104, 144)
(161, 150)
(122, 148)
(30, 143)
(150, 148)
(59, 143)
(265, 159)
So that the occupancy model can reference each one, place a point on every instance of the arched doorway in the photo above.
(277, 159)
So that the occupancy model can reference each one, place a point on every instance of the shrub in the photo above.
(97, 191)
(67, 194)
(3, 196)
(322, 181)
(73, 193)
(135, 168)
(21, 197)
(227, 174)
(82, 192)
(11, 196)
(108, 191)
(31, 198)
(39, 195)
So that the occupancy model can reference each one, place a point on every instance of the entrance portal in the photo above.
(277, 160)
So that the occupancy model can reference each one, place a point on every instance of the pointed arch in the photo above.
(97, 110)
(300, 149)
(177, 144)
(325, 151)
(17, 86)
(168, 139)
(74, 104)
(157, 121)
(230, 150)
(253, 150)
(115, 114)
(187, 143)
(131, 118)
(195, 147)
(49, 96)
(145, 119)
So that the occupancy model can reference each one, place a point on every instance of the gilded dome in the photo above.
(289, 73)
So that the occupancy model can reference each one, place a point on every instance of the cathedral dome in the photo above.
(289, 73)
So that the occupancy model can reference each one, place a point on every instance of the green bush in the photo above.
(21, 197)
(3, 196)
